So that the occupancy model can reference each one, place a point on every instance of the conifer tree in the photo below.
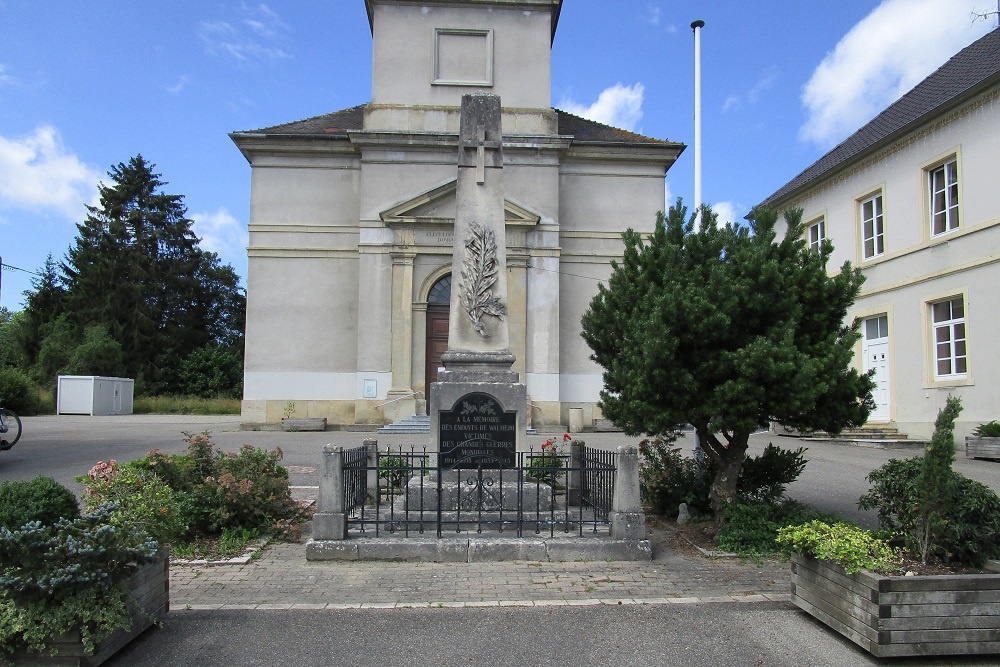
(936, 482)
(727, 329)
(43, 305)
(136, 268)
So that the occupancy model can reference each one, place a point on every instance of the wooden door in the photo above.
(437, 343)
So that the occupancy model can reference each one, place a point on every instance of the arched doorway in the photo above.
(438, 303)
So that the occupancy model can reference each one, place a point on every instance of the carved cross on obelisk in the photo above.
(477, 407)
(478, 320)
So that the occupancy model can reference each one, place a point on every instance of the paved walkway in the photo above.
(281, 578)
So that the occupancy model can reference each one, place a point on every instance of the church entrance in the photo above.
(438, 308)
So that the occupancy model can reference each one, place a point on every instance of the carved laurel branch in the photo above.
(479, 274)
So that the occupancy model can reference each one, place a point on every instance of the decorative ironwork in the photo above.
(404, 491)
(479, 274)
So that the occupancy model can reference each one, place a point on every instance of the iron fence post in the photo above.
(627, 519)
(330, 520)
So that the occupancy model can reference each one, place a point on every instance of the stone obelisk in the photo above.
(477, 405)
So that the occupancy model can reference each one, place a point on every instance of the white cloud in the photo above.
(653, 17)
(221, 233)
(726, 212)
(751, 96)
(258, 34)
(668, 196)
(5, 78)
(881, 58)
(179, 86)
(38, 174)
(619, 106)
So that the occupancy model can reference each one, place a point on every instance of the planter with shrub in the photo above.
(73, 588)
(889, 616)
(984, 443)
(853, 583)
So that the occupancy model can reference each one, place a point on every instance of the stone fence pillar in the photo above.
(627, 519)
(574, 476)
(330, 520)
(371, 444)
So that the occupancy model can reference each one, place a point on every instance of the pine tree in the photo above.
(137, 269)
(726, 329)
(44, 303)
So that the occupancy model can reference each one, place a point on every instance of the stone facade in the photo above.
(911, 198)
(352, 221)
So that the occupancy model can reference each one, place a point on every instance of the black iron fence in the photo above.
(408, 491)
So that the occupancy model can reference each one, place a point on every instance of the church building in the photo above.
(352, 217)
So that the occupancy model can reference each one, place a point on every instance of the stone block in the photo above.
(482, 550)
(331, 550)
(416, 549)
(329, 526)
(596, 548)
(628, 525)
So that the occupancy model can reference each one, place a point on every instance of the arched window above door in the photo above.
(441, 291)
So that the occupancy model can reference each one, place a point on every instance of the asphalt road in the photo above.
(64, 447)
(703, 635)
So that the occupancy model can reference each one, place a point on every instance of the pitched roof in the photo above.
(967, 73)
(585, 130)
(338, 123)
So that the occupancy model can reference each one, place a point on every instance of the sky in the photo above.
(85, 86)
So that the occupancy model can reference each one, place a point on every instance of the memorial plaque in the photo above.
(477, 433)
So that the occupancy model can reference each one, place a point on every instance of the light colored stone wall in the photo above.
(598, 201)
(404, 53)
(917, 269)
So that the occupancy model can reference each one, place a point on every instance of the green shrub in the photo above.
(987, 430)
(41, 499)
(69, 575)
(218, 490)
(213, 371)
(668, 478)
(17, 391)
(141, 499)
(764, 478)
(752, 528)
(972, 531)
(393, 469)
(851, 547)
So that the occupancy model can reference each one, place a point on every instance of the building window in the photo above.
(817, 234)
(950, 354)
(872, 227)
(943, 184)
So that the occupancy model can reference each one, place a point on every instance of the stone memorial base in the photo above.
(488, 491)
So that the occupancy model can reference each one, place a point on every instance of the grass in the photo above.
(230, 544)
(185, 405)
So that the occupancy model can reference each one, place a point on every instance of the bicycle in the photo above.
(10, 429)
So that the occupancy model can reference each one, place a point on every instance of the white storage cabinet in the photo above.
(94, 395)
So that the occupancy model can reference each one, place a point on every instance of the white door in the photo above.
(875, 347)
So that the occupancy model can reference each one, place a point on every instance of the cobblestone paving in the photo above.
(282, 579)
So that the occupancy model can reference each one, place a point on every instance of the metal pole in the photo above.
(698, 452)
(697, 26)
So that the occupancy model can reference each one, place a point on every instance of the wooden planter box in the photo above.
(902, 616)
(150, 588)
(982, 448)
